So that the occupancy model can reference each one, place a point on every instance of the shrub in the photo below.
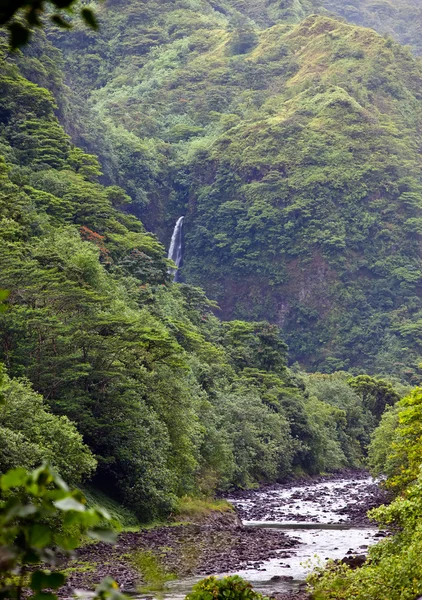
(227, 588)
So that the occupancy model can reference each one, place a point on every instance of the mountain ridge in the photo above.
(196, 119)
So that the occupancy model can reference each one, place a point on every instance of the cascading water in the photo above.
(175, 250)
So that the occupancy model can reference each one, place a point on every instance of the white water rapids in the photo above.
(308, 513)
(316, 523)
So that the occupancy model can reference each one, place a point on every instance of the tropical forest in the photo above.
(211, 299)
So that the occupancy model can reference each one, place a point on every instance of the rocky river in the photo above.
(325, 519)
(277, 535)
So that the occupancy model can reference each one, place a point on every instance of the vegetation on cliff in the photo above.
(291, 149)
(291, 143)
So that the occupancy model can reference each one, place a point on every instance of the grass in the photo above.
(122, 519)
(192, 509)
(188, 509)
(80, 567)
(153, 573)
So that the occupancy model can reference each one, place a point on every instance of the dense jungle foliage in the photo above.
(291, 145)
(290, 140)
(115, 374)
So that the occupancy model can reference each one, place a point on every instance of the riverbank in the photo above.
(221, 544)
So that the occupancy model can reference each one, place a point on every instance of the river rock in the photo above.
(186, 550)
(354, 562)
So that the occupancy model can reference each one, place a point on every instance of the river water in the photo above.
(316, 515)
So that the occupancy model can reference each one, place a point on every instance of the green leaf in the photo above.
(69, 503)
(13, 508)
(37, 579)
(39, 536)
(67, 542)
(87, 518)
(89, 18)
(42, 476)
(102, 513)
(108, 588)
(41, 580)
(13, 478)
(31, 557)
(25, 510)
(102, 534)
(71, 518)
(56, 580)
(59, 481)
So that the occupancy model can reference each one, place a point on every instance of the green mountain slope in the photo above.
(308, 210)
(293, 151)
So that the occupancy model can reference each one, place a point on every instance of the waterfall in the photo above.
(175, 250)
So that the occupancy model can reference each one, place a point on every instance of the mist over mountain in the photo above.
(401, 19)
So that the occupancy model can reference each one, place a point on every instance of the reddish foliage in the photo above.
(92, 236)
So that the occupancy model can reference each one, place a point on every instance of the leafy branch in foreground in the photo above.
(41, 521)
(20, 16)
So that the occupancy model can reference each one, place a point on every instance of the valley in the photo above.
(211, 297)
